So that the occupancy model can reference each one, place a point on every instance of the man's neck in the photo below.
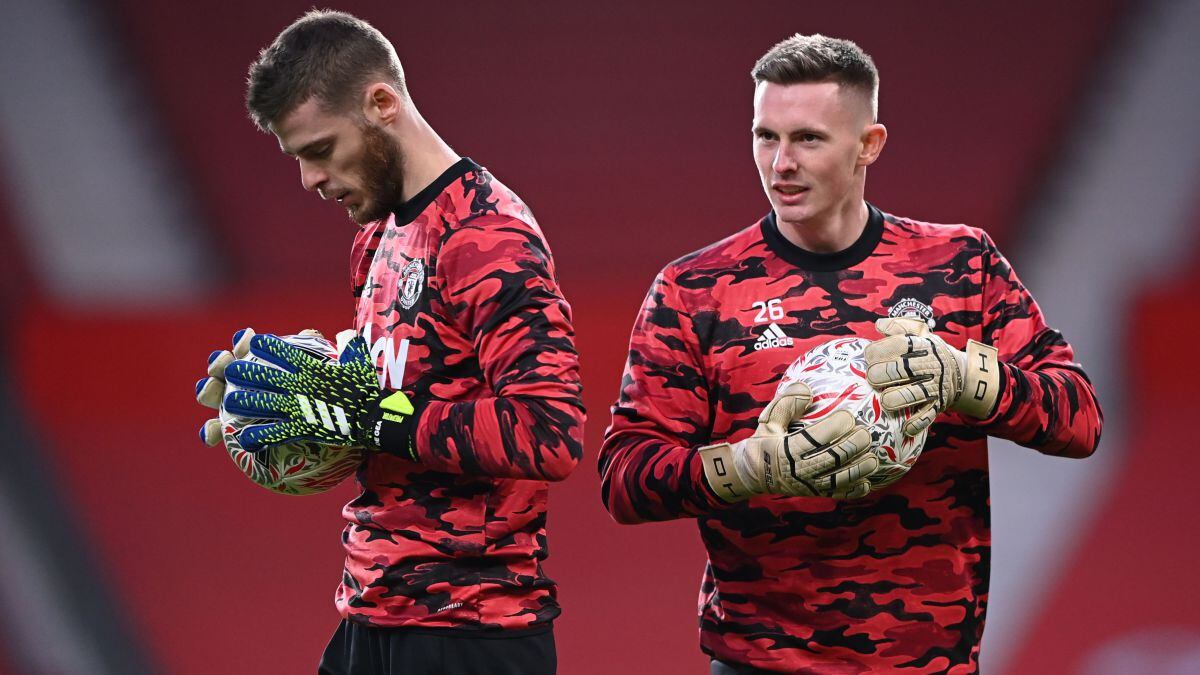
(833, 232)
(426, 156)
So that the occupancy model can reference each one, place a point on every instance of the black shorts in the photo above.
(363, 650)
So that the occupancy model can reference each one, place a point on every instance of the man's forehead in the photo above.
(304, 124)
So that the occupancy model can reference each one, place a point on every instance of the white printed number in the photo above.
(771, 310)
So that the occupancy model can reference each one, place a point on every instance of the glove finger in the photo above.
(899, 325)
(259, 437)
(255, 404)
(211, 432)
(241, 342)
(273, 350)
(253, 375)
(210, 391)
(920, 420)
(853, 490)
(787, 406)
(820, 434)
(217, 361)
(905, 396)
(839, 482)
(355, 349)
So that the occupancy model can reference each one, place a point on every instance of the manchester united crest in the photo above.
(412, 281)
(913, 309)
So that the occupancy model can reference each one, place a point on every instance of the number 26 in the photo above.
(770, 310)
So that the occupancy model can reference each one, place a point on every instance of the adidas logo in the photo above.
(342, 424)
(773, 336)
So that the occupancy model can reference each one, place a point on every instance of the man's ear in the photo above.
(381, 103)
(874, 137)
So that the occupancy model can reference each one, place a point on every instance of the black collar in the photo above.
(412, 208)
(825, 262)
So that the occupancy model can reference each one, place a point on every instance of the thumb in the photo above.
(898, 325)
(789, 405)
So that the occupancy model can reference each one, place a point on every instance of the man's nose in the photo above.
(784, 162)
(311, 177)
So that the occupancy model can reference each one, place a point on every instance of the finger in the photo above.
(905, 396)
(355, 349)
(254, 404)
(241, 342)
(273, 350)
(920, 420)
(854, 490)
(311, 332)
(253, 375)
(211, 432)
(898, 325)
(217, 361)
(210, 391)
(787, 406)
(259, 437)
(817, 435)
(842, 481)
(343, 337)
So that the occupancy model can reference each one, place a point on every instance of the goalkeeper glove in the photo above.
(912, 367)
(829, 458)
(210, 390)
(331, 402)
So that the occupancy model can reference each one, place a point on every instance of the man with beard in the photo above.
(812, 565)
(462, 382)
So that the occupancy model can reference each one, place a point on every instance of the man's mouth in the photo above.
(789, 190)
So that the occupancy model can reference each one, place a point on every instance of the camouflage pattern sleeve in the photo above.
(1047, 402)
(500, 287)
(649, 466)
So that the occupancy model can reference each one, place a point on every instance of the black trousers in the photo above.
(363, 650)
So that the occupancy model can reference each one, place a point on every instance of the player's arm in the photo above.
(1046, 401)
(657, 461)
(499, 281)
(1020, 382)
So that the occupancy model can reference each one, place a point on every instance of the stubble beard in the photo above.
(383, 176)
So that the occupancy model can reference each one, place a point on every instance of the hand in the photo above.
(912, 367)
(332, 402)
(211, 390)
(829, 458)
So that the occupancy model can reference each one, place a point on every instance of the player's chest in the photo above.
(749, 337)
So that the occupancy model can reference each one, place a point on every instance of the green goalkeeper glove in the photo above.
(912, 367)
(332, 402)
(828, 458)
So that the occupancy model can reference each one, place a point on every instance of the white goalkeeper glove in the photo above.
(912, 367)
(829, 458)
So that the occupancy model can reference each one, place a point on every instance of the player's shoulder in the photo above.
(911, 228)
(723, 254)
(482, 202)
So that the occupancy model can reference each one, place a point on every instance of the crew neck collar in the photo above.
(412, 208)
(825, 262)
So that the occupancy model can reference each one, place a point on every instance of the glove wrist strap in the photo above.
(388, 432)
(721, 473)
(981, 381)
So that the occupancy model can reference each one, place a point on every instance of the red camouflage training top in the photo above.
(458, 299)
(900, 578)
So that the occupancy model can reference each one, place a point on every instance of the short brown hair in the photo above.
(332, 56)
(819, 58)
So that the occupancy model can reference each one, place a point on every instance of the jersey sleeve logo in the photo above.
(411, 283)
(911, 308)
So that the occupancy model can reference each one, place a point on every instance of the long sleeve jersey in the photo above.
(898, 579)
(458, 300)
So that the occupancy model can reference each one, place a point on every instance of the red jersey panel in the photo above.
(898, 579)
(458, 299)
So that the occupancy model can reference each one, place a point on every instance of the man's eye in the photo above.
(809, 138)
(764, 136)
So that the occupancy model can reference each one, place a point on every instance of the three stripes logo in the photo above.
(773, 336)
(321, 415)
